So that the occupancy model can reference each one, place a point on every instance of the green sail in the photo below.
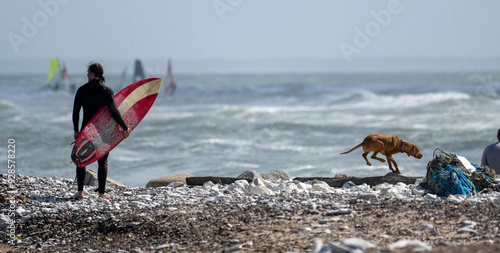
(54, 68)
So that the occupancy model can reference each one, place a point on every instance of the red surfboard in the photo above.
(102, 133)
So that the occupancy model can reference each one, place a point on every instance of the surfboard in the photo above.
(102, 133)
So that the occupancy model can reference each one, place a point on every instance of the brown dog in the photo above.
(388, 146)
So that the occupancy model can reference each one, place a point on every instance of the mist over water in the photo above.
(222, 125)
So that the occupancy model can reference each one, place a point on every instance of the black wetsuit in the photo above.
(92, 96)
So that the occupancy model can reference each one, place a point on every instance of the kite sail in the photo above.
(171, 83)
(54, 74)
(121, 83)
(138, 72)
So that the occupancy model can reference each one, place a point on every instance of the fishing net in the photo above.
(450, 173)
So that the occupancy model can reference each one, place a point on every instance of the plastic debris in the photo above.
(450, 174)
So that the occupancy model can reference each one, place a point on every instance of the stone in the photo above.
(357, 244)
(427, 226)
(368, 195)
(318, 244)
(348, 185)
(408, 243)
(234, 248)
(341, 211)
(334, 247)
(340, 176)
(469, 223)
(467, 227)
(249, 174)
(257, 187)
(4, 220)
(166, 180)
(276, 175)
(349, 245)
(338, 182)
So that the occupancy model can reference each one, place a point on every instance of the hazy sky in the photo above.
(346, 30)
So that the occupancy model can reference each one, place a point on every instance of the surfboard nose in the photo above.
(153, 84)
(156, 84)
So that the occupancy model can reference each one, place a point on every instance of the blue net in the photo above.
(447, 175)
(450, 181)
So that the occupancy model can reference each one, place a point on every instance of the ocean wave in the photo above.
(371, 100)
(303, 169)
(6, 104)
(242, 165)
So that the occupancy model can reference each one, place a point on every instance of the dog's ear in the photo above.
(395, 141)
(414, 149)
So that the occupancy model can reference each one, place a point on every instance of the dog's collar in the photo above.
(403, 148)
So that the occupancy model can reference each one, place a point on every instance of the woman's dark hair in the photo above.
(98, 71)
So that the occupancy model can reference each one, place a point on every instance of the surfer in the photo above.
(92, 96)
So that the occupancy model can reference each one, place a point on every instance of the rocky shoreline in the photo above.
(255, 216)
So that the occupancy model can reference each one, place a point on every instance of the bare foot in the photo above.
(78, 195)
(105, 196)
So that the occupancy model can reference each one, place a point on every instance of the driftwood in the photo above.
(91, 179)
(338, 182)
(215, 180)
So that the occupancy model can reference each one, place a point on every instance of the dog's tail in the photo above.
(361, 144)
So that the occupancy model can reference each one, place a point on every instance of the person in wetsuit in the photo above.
(91, 97)
(491, 155)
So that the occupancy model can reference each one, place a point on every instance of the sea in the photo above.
(225, 124)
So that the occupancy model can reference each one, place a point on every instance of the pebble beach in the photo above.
(40, 215)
